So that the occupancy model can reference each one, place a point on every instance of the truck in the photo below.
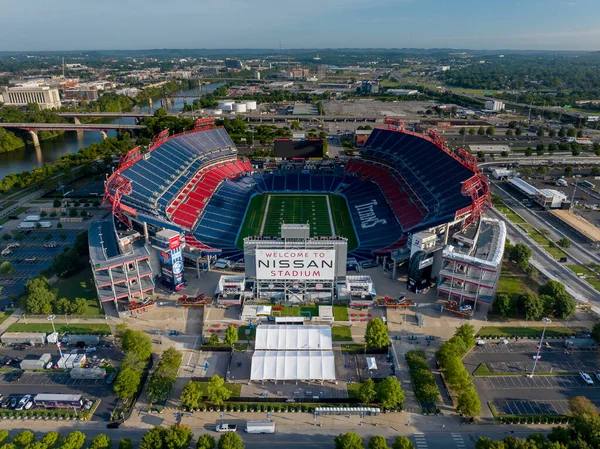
(226, 428)
(45, 224)
(260, 427)
(32, 218)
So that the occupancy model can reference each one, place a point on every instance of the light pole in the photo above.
(51, 319)
(537, 356)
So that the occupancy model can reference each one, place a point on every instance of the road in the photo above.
(334, 147)
(463, 438)
(577, 252)
(578, 288)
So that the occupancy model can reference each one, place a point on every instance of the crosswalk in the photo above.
(420, 441)
(438, 440)
(458, 439)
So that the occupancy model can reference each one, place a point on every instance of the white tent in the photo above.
(263, 310)
(293, 338)
(292, 365)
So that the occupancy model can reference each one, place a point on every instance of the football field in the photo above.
(326, 214)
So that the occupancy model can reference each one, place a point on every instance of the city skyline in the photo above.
(263, 24)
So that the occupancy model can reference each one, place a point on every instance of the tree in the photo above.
(462, 131)
(568, 171)
(572, 132)
(378, 442)
(177, 437)
(552, 133)
(528, 151)
(127, 383)
(348, 440)
(24, 438)
(595, 172)
(101, 441)
(213, 339)
(153, 439)
(231, 336)
(39, 299)
(164, 376)
(376, 335)
(63, 305)
(137, 342)
(467, 333)
(540, 132)
(468, 402)
(230, 440)
(52, 440)
(366, 392)
(6, 267)
(509, 133)
(518, 131)
(57, 203)
(389, 393)
(490, 131)
(564, 306)
(480, 154)
(596, 332)
(541, 170)
(575, 148)
(539, 149)
(3, 435)
(402, 442)
(552, 148)
(531, 306)
(6, 237)
(217, 391)
(580, 405)
(126, 443)
(564, 242)
(472, 131)
(59, 226)
(481, 131)
(562, 132)
(520, 254)
(79, 306)
(75, 440)
(191, 395)
(596, 148)
(206, 441)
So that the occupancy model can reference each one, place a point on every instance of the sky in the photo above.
(36, 25)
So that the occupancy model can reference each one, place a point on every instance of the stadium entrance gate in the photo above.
(295, 268)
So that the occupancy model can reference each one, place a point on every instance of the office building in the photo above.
(46, 97)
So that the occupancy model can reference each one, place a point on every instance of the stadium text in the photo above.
(295, 265)
(367, 216)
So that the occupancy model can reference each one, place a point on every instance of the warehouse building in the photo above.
(524, 187)
(18, 338)
(551, 199)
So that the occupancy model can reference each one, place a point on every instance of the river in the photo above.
(49, 150)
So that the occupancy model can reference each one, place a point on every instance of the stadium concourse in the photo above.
(192, 199)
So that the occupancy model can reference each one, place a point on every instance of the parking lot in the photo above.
(543, 367)
(534, 407)
(60, 378)
(31, 257)
(524, 382)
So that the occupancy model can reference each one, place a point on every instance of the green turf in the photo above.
(298, 209)
(100, 329)
(511, 285)
(341, 333)
(353, 390)
(340, 313)
(81, 285)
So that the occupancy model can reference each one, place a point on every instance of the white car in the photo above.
(586, 378)
(465, 308)
(23, 402)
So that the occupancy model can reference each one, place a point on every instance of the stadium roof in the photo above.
(292, 365)
(293, 338)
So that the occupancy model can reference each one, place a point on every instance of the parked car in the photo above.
(111, 377)
(13, 402)
(15, 376)
(598, 376)
(226, 428)
(465, 308)
(586, 378)
(23, 402)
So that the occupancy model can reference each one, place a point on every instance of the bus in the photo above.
(588, 184)
(58, 400)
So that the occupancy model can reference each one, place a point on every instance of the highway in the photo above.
(578, 288)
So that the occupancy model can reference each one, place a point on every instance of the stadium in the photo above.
(191, 198)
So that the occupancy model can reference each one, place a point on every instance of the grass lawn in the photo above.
(353, 390)
(341, 333)
(533, 331)
(5, 315)
(340, 313)
(99, 329)
(298, 311)
(354, 348)
(511, 285)
(235, 389)
(242, 333)
(17, 211)
(80, 285)
(586, 274)
(342, 221)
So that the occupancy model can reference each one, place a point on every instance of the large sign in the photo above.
(295, 265)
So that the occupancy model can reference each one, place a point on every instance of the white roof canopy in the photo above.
(293, 338)
(371, 363)
(293, 365)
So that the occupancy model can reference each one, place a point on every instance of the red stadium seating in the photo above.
(190, 203)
